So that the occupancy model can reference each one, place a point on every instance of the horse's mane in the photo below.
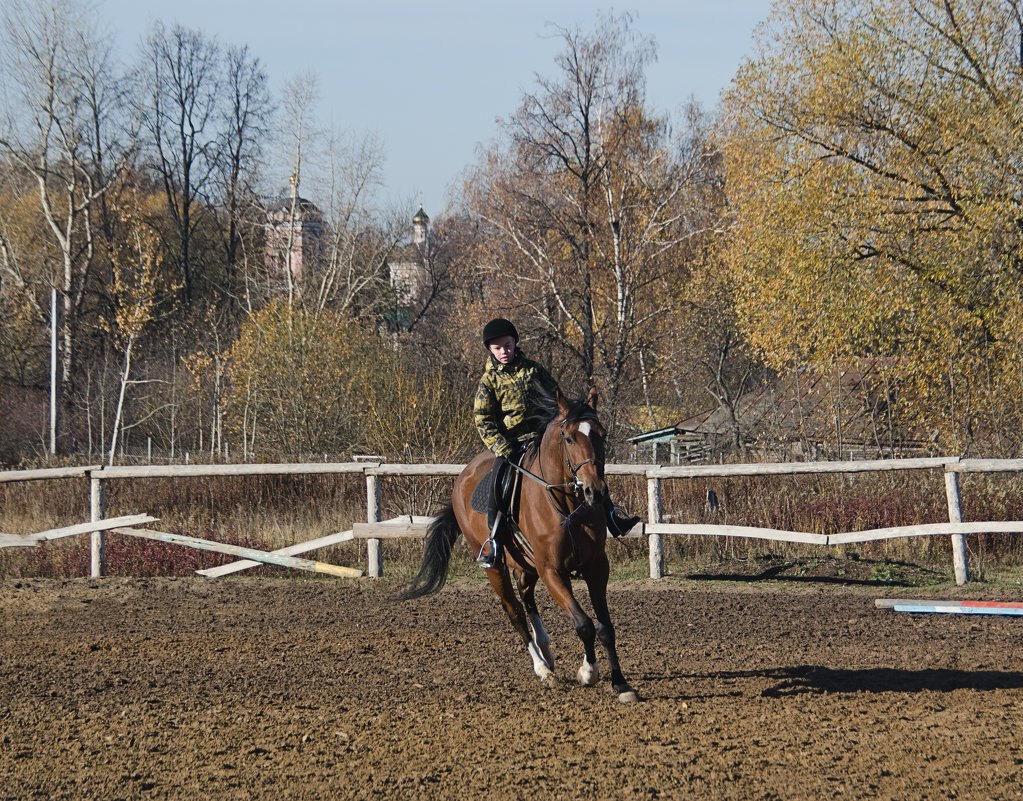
(546, 410)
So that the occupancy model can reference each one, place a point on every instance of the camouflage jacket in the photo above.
(503, 407)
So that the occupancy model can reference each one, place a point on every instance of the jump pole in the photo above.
(950, 607)
(88, 528)
(290, 550)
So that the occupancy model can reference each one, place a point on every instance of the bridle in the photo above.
(563, 447)
(561, 505)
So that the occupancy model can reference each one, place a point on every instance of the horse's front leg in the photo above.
(560, 588)
(501, 582)
(596, 581)
(527, 591)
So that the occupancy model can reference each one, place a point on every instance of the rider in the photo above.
(503, 411)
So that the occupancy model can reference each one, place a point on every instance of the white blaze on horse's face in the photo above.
(585, 466)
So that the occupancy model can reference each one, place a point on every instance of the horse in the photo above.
(561, 531)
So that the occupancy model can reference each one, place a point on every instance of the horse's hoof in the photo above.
(629, 697)
(541, 667)
(587, 675)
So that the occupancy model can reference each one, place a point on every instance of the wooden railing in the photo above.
(654, 529)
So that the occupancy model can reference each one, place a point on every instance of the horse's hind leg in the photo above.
(596, 582)
(501, 582)
(527, 591)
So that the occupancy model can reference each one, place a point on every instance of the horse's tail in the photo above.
(440, 536)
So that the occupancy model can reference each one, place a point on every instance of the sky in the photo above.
(430, 78)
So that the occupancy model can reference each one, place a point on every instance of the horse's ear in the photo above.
(591, 399)
(563, 405)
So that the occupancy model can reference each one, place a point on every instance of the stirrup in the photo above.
(489, 553)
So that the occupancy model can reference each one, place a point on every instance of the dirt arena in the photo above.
(320, 689)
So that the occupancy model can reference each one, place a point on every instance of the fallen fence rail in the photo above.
(246, 553)
(290, 550)
(91, 527)
(374, 530)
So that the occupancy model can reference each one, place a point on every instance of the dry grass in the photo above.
(273, 511)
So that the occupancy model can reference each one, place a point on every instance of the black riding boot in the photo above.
(490, 553)
(619, 523)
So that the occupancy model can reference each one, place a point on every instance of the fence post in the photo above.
(955, 515)
(374, 557)
(655, 541)
(98, 511)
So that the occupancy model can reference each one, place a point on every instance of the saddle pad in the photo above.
(483, 493)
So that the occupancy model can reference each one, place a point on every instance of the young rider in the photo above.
(503, 411)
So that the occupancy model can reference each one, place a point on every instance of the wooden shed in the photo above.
(802, 415)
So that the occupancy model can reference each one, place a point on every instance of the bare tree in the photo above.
(344, 242)
(436, 282)
(585, 203)
(362, 237)
(244, 129)
(65, 128)
(181, 79)
(298, 132)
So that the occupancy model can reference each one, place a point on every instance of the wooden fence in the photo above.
(375, 530)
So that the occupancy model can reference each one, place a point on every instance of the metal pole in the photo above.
(54, 329)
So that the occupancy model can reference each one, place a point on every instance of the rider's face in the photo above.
(503, 348)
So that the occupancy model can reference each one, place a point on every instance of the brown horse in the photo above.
(563, 532)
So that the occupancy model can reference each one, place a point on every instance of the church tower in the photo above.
(420, 224)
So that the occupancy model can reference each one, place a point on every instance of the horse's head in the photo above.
(582, 446)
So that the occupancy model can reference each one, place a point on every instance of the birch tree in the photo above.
(361, 236)
(298, 133)
(138, 292)
(65, 126)
(347, 269)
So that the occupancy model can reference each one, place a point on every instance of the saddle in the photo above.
(499, 492)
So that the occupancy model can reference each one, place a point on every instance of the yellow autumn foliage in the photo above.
(873, 171)
(304, 385)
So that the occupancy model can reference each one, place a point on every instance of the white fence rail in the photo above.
(655, 529)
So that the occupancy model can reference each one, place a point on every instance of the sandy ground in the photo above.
(317, 689)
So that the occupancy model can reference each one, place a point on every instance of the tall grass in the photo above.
(270, 512)
(828, 504)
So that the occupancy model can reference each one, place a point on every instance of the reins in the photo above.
(567, 514)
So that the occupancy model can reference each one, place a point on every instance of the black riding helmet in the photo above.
(499, 327)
